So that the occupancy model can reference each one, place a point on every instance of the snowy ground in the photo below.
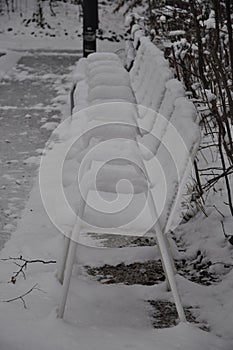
(63, 31)
(98, 316)
(34, 67)
(30, 100)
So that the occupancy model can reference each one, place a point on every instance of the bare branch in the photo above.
(21, 297)
(23, 266)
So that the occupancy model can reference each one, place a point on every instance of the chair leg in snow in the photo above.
(169, 272)
(67, 277)
(170, 254)
(168, 287)
(62, 263)
(150, 198)
(69, 261)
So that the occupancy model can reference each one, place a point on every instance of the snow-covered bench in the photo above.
(115, 118)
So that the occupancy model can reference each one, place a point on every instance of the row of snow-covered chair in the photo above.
(101, 77)
(104, 80)
(121, 135)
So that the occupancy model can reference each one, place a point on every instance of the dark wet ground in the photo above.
(163, 312)
(27, 101)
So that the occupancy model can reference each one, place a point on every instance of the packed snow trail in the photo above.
(31, 98)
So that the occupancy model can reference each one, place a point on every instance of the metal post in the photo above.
(72, 98)
(90, 25)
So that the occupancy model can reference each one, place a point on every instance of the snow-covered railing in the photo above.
(121, 122)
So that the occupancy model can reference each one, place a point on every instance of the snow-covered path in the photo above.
(31, 98)
(34, 64)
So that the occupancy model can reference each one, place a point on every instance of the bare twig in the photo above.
(228, 186)
(214, 206)
(23, 266)
(215, 179)
(210, 168)
(208, 146)
(21, 297)
(51, 8)
(222, 263)
(199, 186)
(223, 229)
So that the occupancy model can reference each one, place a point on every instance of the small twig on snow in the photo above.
(22, 267)
(21, 297)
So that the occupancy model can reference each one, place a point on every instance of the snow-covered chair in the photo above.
(150, 142)
(156, 216)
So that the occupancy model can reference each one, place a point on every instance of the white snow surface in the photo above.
(97, 316)
(49, 126)
(8, 61)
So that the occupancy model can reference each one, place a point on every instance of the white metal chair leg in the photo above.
(67, 277)
(170, 253)
(62, 264)
(168, 287)
(169, 272)
(69, 261)
(167, 262)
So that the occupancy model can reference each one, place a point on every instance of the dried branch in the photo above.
(226, 265)
(214, 206)
(23, 266)
(223, 229)
(21, 297)
(51, 8)
(229, 29)
(215, 179)
(199, 186)
(228, 186)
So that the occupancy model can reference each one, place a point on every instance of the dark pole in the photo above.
(90, 24)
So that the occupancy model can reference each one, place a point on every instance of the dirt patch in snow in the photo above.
(148, 273)
(151, 272)
(164, 315)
